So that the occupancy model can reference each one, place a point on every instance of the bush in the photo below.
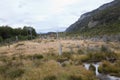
(84, 58)
(92, 68)
(11, 69)
(104, 48)
(109, 68)
(19, 44)
(66, 55)
(37, 63)
(1, 39)
(97, 57)
(75, 77)
(35, 56)
(3, 58)
(14, 72)
(61, 60)
(80, 51)
(22, 37)
(50, 78)
(3, 69)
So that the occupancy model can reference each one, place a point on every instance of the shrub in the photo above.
(61, 59)
(52, 40)
(3, 58)
(11, 69)
(50, 78)
(20, 44)
(109, 68)
(37, 63)
(84, 58)
(51, 70)
(99, 56)
(3, 69)
(92, 68)
(35, 56)
(80, 51)
(95, 57)
(64, 57)
(104, 48)
(11, 72)
(50, 56)
(14, 72)
(1, 39)
(67, 55)
(75, 77)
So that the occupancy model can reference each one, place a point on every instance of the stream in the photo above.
(100, 76)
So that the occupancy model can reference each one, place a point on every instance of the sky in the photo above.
(45, 15)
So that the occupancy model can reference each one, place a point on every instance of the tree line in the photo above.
(8, 34)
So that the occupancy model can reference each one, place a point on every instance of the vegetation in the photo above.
(92, 68)
(101, 30)
(107, 18)
(11, 70)
(8, 34)
(23, 68)
(110, 68)
(39, 60)
(26, 60)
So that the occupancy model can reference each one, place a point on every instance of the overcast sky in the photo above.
(45, 15)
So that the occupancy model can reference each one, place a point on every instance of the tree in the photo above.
(1, 39)
(8, 33)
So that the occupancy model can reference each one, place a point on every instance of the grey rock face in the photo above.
(92, 24)
(97, 17)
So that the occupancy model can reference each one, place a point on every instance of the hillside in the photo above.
(103, 21)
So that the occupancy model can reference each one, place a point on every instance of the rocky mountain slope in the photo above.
(104, 20)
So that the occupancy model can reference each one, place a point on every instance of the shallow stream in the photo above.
(99, 75)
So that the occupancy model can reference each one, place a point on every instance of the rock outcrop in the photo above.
(106, 14)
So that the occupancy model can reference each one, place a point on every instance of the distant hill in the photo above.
(103, 21)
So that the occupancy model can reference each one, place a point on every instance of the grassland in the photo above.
(39, 59)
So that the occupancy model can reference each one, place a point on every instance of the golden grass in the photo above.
(53, 69)
(47, 46)
(48, 67)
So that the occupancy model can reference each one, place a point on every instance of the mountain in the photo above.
(104, 20)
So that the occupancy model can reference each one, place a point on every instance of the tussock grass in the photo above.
(39, 69)
(19, 44)
(11, 70)
(51, 70)
(48, 65)
(110, 68)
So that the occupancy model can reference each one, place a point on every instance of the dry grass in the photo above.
(25, 68)
(51, 70)
(38, 59)
(47, 46)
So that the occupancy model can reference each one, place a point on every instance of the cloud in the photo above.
(45, 15)
(59, 5)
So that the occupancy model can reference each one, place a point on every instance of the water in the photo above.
(100, 76)
(113, 77)
(96, 68)
(86, 66)
(95, 65)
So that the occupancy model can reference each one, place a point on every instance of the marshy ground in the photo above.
(39, 59)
